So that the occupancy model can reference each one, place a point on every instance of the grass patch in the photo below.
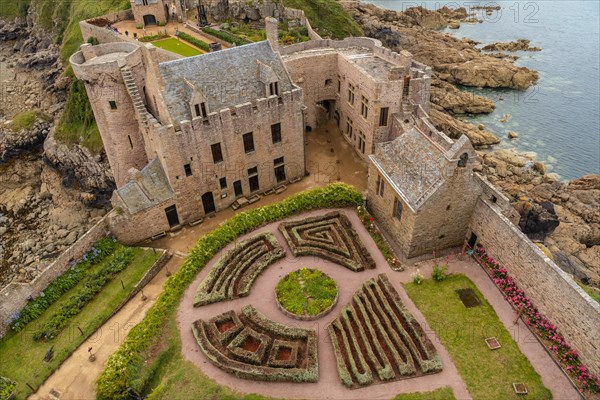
(14, 8)
(590, 291)
(178, 47)
(26, 120)
(488, 374)
(226, 36)
(306, 292)
(438, 394)
(22, 356)
(327, 17)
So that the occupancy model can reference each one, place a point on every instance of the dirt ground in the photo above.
(329, 387)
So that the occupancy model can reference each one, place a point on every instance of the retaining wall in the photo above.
(14, 296)
(552, 290)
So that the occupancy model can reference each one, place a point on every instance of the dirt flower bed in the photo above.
(306, 294)
(234, 274)
(250, 346)
(376, 339)
(330, 236)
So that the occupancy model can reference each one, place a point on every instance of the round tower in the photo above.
(113, 74)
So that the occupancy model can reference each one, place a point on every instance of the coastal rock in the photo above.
(12, 142)
(449, 98)
(512, 135)
(490, 72)
(537, 220)
(455, 128)
(517, 45)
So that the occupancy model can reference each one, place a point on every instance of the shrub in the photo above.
(226, 36)
(123, 365)
(439, 272)
(93, 41)
(26, 120)
(75, 304)
(65, 282)
(6, 387)
(417, 277)
(152, 38)
(196, 42)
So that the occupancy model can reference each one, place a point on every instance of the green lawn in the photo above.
(22, 357)
(176, 46)
(591, 292)
(488, 374)
(438, 394)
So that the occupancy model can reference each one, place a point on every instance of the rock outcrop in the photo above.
(455, 128)
(517, 45)
(448, 98)
(12, 142)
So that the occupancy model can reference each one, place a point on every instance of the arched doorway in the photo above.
(325, 111)
(208, 202)
(149, 20)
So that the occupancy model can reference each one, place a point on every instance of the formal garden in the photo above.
(238, 315)
(67, 312)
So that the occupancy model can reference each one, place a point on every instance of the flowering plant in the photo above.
(540, 325)
(369, 223)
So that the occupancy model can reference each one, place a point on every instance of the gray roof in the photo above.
(225, 78)
(413, 164)
(153, 188)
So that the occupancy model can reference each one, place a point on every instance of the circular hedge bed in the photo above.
(306, 294)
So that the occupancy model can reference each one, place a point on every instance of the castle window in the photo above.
(339, 89)
(188, 169)
(351, 93)
(201, 110)
(380, 186)
(364, 107)
(361, 142)
(113, 105)
(223, 183)
(253, 179)
(383, 116)
(349, 127)
(279, 170)
(276, 133)
(328, 82)
(217, 154)
(397, 209)
(274, 89)
(248, 142)
(463, 160)
(130, 142)
(145, 2)
(494, 199)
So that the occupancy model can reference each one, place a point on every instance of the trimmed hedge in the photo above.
(87, 293)
(65, 282)
(123, 366)
(192, 40)
(234, 274)
(226, 36)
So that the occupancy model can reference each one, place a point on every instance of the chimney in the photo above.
(272, 27)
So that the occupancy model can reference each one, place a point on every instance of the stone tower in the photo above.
(112, 74)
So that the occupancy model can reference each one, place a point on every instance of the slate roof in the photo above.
(226, 78)
(413, 164)
(153, 188)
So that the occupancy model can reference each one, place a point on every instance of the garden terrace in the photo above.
(330, 236)
(234, 274)
(251, 346)
(376, 339)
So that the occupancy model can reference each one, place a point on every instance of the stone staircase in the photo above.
(138, 102)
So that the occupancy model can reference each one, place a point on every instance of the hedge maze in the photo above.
(330, 236)
(250, 346)
(234, 274)
(375, 338)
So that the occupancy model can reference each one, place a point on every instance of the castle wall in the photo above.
(106, 90)
(154, 7)
(18, 293)
(552, 290)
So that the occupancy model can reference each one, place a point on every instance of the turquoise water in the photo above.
(559, 118)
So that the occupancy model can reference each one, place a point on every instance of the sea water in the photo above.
(559, 117)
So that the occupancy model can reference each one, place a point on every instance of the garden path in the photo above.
(329, 387)
(76, 377)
